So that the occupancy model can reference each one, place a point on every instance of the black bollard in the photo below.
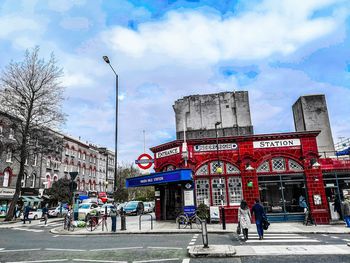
(204, 234)
(223, 218)
(122, 219)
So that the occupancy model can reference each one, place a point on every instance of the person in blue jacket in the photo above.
(258, 211)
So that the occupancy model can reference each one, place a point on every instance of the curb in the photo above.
(212, 251)
(20, 224)
(59, 231)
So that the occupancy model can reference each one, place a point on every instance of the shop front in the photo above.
(6, 195)
(276, 168)
(174, 192)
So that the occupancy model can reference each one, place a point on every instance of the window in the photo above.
(264, 167)
(294, 166)
(32, 181)
(78, 168)
(231, 169)
(6, 181)
(9, 155)
(83, 170)
(278, 164)
(48, 162)
(67, 151)
(203, 170)
(84, 156)
(235, 190)
(214, 165)
(55, 177)
(169, 168)
(202, 191)
(219, 191)
(26, 161)
(79, 154)
(35, 161)
(48, 181)
(66, 167)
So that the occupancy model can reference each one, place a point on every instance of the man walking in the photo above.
(258, 211)
(26, 214)
(45, 213)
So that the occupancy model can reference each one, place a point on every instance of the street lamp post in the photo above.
(106, 59)
(217, 143)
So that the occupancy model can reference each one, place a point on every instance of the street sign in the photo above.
(144, 161)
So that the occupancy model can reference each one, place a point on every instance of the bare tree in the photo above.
(31, 91)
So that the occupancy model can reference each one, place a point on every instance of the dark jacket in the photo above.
(27, 210)
(258, 211)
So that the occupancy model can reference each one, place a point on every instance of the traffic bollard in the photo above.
(204, 234)
(122, 220)
(223, 218)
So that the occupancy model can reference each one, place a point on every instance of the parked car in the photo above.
(55, 211)
(87, 209)
(120, 206)
(148, 207)
(103, 196)
(93, 200)
(103, 208)
(34, 214)
(134, 208)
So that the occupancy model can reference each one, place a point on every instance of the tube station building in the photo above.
(217, 160)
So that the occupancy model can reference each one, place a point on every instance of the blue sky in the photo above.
(163, 50)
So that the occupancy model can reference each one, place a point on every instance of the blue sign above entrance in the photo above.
(160, 178)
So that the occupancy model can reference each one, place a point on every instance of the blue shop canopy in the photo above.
(173, 176)
(344, 152)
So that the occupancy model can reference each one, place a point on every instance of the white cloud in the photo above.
(194, 36)
(13, 24)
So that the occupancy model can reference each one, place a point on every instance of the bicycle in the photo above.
(68, 222)
(94, 221)
(183, 220)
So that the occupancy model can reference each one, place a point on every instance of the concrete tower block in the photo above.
(199, 113)
(310, 114)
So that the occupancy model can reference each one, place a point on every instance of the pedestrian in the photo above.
(26, 211)
(260, 216)
(244, 218)
(303, 205)
(113, 214)
(337, 207)
(16, 211)
(347, 210)
(104, 219)
(45, 213)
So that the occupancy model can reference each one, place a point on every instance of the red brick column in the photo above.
(315, 187)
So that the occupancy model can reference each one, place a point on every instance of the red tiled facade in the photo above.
(247, 153)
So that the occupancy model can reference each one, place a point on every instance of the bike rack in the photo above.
(146, 215)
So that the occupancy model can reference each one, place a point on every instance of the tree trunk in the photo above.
(11, 211)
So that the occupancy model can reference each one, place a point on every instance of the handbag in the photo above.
(265, 224)
(238, 230)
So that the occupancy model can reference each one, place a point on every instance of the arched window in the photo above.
(229, 181)
(32, 180)
(279, 164)
(6, 181)
(48, 181)
(55, 177)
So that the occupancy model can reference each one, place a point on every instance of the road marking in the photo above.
(347, 240)
(95, 260)
(27, 229)
(281, 237)
(296, 250)
(196, 235)
(334, 237)
(56, 236)
(275, 234)
(186, 260)
(281, 240)
(156, 260)
(165, 247)
(324, 235)
(116, 248)
(64, 249)
(2, 248)
(193, 239)
(38, 261)
(191, 243)
(19, 250)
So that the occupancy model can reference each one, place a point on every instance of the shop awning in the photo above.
(180, 175)
(30, 198)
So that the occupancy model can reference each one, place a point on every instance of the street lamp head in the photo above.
(217, 123)
(106, 59)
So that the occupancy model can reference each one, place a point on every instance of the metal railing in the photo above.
(146, 215)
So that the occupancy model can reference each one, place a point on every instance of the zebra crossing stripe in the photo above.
(27, 229)
(282, 240)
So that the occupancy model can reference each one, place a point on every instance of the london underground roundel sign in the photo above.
(144, 161)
